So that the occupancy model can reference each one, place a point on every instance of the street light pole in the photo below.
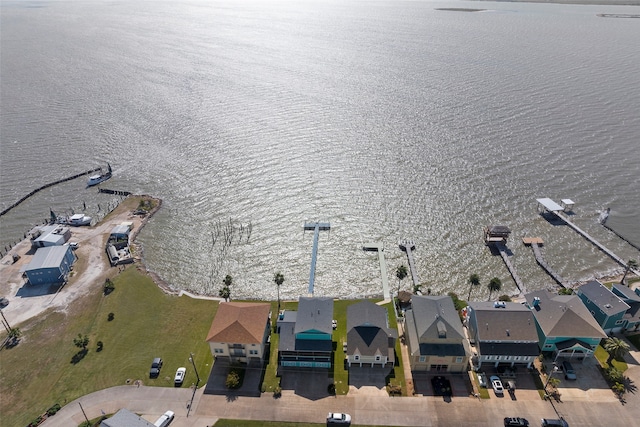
(193, 363)
(553, 371)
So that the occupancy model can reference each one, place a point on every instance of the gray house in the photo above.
(435, 336)
(125, 418)
(503, 333)
(305, 335)
(49, 265)
(632, 299)
(370, 341)
(605, 306)
(50, 235)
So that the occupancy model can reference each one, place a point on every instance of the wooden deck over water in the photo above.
(408, 246)
(535, 243)
(379, 247)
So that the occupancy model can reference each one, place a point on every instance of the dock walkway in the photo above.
(379, 247)
(535, 243)
(316, 227)
(408, 246)
(512, 270)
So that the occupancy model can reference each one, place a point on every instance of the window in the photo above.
(423, 359)
(356, 357)
(459, 359)
(619, 322)
(377, 358)
(218, 350)
(253, 352)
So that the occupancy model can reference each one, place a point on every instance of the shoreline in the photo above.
(571, 2)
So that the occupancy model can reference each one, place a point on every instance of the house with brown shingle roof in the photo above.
(240, 331)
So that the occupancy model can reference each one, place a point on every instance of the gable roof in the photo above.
(434, 316)
(601, 296)
(626, 293)
(563, 316)
(239, 322)
(48, 257)
(125, 418)
(367, 330)
(504, 322)
(314, 314)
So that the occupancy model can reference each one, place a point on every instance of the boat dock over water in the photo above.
(408, 246)
(316, 227)
(496, 237)
(547, 205)
(535, 243)
(379, 247)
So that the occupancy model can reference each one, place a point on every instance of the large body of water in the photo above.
(390, 119)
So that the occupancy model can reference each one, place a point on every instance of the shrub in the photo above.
(505, 298)
(108, 286)
(331, 389)
(110, 317)
(100, 345)
(52, 411)
(233, 380)
(277, 392)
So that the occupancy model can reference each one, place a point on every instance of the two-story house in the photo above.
(435, 337)
(370, 341)
(632, 299)
(503, 333)
(305, 335)
(239, 331)
(605, 306)
(565, 327)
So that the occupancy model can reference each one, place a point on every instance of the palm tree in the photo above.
(474, 280)
(632, 263)
(494, 286)
(278, 279)
(616, 348)
(227, 281)
(401, 273)
(225, 292)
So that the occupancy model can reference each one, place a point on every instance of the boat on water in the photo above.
(79, 219)
(101, 177)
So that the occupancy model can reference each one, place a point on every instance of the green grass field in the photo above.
(245, 423)
(147, 323)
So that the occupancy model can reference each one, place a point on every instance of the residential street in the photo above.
(579, 406)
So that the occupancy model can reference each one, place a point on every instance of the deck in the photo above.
(512, 270)
(379, 247)
(408, 246)
(316, 227)
(535, 243)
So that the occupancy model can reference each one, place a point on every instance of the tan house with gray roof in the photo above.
(240, 331)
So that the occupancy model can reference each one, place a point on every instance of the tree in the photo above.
(474, 280)
(225, 292)
(278, 279)
(494, 286)
(616, 348)
(14, 336)
(401, 273)
(632, 263)
(81, 341)
(228, 280)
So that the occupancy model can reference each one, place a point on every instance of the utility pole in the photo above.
(197, 383)
(85, 415)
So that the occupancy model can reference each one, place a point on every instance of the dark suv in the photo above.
(156, 365)
(515, 421)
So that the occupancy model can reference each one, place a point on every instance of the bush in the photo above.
(233, 380)
(110, 317)
(52, 411)
(108, 286)
(277, 392)
(331, 389)
(100, 345)
(505, 298)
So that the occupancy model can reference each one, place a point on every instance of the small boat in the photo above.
(79, 219)
(98, 178)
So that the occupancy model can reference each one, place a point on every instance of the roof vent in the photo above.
(508, 333)
(607, 305)
(536, 301)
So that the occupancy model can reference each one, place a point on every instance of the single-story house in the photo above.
(305, 335)
(120, 233)
(51, 264)
(564, 325)
(370, 341)
(50, 235)
(435, 337)
(125, 418)
(240, 331)
(605, 306)
(503, 333)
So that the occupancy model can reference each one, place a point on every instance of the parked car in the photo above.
(179, 378)
(515, 422)
(156, 365)
(482, 380)
(337, 418)
(165, 419)
(547, 422)
(569, 372)
(497, 385)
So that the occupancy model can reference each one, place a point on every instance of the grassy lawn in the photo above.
(396, 378)
(482, 391)
(602, 356)
(242, 423)
(147, 323)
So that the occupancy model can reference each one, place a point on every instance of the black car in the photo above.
(156, 365)
(516, 421)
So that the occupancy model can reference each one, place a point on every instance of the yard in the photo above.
(146, 323)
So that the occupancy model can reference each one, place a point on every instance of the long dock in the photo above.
(408, 246)
(379, 247)
(512, 270)
(535, 243)
(316, 227)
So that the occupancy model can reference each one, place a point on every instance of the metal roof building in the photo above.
(49, 265)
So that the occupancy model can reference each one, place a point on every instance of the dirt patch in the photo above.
(89, 272)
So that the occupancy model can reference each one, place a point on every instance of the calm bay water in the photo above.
(392, 120)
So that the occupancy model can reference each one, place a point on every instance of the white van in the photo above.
(165, 419)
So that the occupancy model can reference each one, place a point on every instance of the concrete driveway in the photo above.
(368, 381)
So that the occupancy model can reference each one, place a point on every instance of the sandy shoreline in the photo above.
(575, 2)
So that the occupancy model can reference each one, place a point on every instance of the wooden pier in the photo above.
(316, 227)
(379, 247)
(553, 208)
(496, 236)
(535, 243)
(408, 246)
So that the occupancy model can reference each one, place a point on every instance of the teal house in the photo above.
(305, 335)
(565, 326)
(606, 307)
